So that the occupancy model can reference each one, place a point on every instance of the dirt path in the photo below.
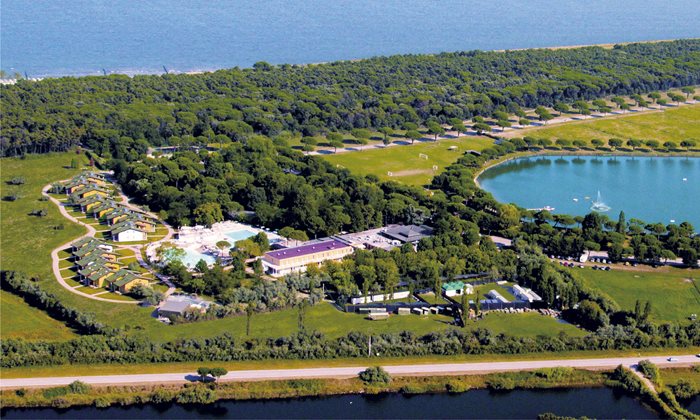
(54, 253)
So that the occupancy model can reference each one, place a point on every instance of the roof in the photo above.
(409, 233)
(453, 285)
(81, 242)
(308, 248)
(126, 278)
(124, 226)
(175, 306)
(99, 273)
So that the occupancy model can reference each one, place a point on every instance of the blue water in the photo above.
(647, 188)
(478, 404)
(68, 37)
(192, 257)
(239, 235)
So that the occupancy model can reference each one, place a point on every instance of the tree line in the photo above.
(121, 116)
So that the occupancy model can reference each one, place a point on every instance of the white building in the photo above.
(525, 294)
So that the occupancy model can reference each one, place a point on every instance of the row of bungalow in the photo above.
(98, 266)
(90, 193)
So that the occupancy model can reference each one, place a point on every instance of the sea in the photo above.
(40, 38)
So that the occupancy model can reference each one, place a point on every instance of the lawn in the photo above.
(529, 324)
(322, 317)
(673, 375)
(670, 291)
(483, 289)
(19, 320)
(404, 161)
(432, 299)
(674, 124)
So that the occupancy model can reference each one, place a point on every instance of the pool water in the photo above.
(192, 257)
(239, 235)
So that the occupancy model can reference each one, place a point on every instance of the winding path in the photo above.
(55, 260)
(349, 372)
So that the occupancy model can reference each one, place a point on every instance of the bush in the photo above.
(649, 370)
(21, 392)
(684, 389)
(500, 383)
(375, 376)
(198, 394)
(102, 402)
(455, 386)
(161, 396)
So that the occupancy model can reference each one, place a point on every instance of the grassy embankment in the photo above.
(104, 396)
(20, 320)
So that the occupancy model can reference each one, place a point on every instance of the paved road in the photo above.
(345, 372)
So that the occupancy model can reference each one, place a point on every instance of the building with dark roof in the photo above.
(408, 234)
(295, 259)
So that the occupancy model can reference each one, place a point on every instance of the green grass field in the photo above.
(19, 320)
(670, 291)
(529, 324)
(404, 161)
(672, 376)
(674, 124)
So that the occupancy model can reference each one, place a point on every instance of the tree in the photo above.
(621, 226)
(561, 108)
(481, 128)
(633, 143)
(543, 114)
(615, 143)
(208, 213)
(218, 372)
(375, 376)
(670, 145)
(688, 90)
(335, 140)
(688, 144)
(387, 132)
(308, 143)
(582, 107)
(597, 143)
(458, 126)
(413, 135)
(652, 144)
(654, 96)
(301, 314)
(362, 135)
(676, 97)
(435, 129)
(249, 311)
(222, 245)
(524, 122)
(503, 124)
(203, 373)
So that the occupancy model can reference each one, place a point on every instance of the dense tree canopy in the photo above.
(122, 115)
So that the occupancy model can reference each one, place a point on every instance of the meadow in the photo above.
(670, 291)
(19, 320)
(405, 163)
(671, 124)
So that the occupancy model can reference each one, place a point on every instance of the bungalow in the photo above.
(103, 208)
(75, 184)
(295, 259)
(124, 280)
(96, 259)
(89, 190)
(99, 277)
(116, 215)
(457, 288)
(82, 242)
(86, 203)
(525, 294)
(127, 232)
(145, 223)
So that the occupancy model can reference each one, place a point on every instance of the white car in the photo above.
(672, 359)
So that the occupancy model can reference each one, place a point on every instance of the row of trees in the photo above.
(121, 116)
(313, 345)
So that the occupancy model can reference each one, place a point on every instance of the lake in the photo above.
(76, 37)
(653, 189)
(590, 402)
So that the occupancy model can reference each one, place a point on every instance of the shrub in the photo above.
(198, 394)
(375, 376)
(102, 402)
(684, 389)
(21, 392)
(456, 386)
(78, 387)
(649, 370)
(161, 396)
(500, 383)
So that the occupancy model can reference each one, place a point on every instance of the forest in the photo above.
(121, 116)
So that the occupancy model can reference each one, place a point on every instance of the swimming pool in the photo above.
(239, 235)
(192, 257)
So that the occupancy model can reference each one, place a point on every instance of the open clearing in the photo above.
(670, 291)
(405, 162)
(19, 320)
(672, 124)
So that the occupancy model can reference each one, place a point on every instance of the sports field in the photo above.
(411, 164)
(672, 124)
(670, 291)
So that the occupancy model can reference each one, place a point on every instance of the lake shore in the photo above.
(104, 396)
